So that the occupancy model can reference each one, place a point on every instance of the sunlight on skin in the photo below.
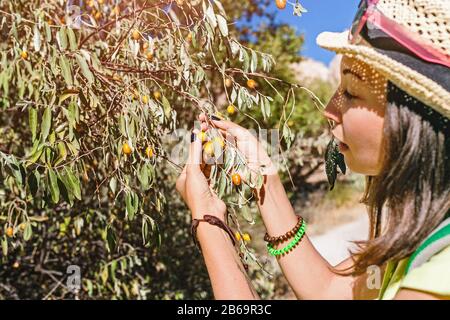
(357, 108)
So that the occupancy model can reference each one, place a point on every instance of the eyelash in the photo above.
(348, 95)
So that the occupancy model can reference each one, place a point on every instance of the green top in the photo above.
(431, 277)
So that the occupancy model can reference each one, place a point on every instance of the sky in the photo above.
(322, 15)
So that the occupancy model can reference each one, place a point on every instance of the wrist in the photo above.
(200, 213)
(211, 230)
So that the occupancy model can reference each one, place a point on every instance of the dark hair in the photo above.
(411, 195)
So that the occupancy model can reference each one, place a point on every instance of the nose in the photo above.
(332, 110)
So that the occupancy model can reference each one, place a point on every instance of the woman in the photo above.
(391, 115)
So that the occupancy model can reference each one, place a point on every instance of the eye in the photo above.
(349, 96)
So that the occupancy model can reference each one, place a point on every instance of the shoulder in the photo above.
(433, 276)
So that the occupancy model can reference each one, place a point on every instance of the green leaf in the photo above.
(85, 68)
(53, 185)
(33, 182)
(66, 95)
(72, 39)
(247, 215)
(46, 123)
(211, 17)
(111, 239)
(61, 38)
(166, 106)
(132, 203)
(66, 70)
(223, 27)
(27, 232)
(48, 32)
(113, 184)
(32, 117)
(143, 177)
(36, 39)
(104, 274)
(5, 246)
(254, 62)
(74, 183)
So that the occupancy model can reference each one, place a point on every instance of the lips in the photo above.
(343, 147)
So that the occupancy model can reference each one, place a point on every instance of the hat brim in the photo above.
(409, 80)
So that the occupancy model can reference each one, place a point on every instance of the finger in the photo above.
(202, 117)
(230, 127)
(195, 154)
(204, 126)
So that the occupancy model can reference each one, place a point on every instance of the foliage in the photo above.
(90, 101)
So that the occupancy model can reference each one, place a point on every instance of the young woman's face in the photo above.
(357, 108)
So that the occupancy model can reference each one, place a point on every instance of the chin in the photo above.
(359, 165)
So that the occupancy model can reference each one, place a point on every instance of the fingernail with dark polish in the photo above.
(215, 118)
(193, 136)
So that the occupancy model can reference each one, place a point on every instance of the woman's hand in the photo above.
(194, 187)
(249, 146)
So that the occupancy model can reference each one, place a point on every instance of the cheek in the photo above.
(363, 132)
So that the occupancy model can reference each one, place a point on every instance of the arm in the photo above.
(409, 294)
(228, 277)
(307, 272)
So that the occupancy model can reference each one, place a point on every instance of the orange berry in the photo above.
(16, 265)
(251, 83)
(10, 232)
(135, 34)
(22, 226)
(115, 11)
(145, 45)
(231, 109)
(237, 235)
(189, 37)
(149, 56)
(126, 148)
(98, 15)
(228, 82)
(202, 136)
(236, 178)
(246, 237)
(157, 95)
(24, 55)
(281, 4)
(145, 99)
(149, 152)
(208, 148)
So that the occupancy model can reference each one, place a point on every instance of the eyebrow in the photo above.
(347, 71)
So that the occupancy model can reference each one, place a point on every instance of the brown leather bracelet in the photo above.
(213, 221)
(290, 234)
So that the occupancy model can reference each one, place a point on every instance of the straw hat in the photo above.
(426, 81)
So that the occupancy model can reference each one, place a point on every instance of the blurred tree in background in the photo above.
(89, 102)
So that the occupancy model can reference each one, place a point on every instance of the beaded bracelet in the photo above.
(287, 235)
(298, 237)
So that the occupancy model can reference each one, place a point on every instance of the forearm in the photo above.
(307, 272)
(228, 277)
